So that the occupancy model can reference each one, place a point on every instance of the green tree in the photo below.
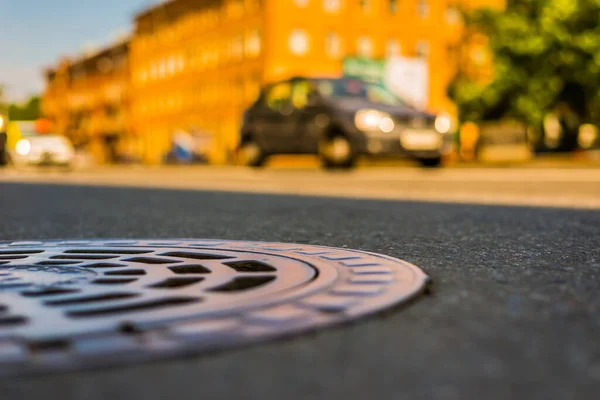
(28, 111)
(546, 56)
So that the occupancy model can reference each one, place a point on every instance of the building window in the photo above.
(393, 6)
(392, 48)
(478, 56)
(105, 65)
(171, 65)
(235, 8)
(453, 15)
(298, 42)
(365, 5)
(423, 9)
(180, 63)
(253, 43)
(364, 46)
(331, 5)
(215, 56)
(237, 48)
(154, 71)
(333, 45)
(162, 68)
(143, 75)
(422, 49)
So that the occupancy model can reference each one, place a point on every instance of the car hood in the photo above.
(353, 105)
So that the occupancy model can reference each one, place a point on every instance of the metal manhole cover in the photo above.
(74, 304)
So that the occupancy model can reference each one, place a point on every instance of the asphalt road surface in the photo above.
(514, 311)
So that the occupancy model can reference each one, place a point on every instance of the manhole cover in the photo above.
(74, 304)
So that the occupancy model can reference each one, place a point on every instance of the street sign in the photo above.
(365, 69)
(407, 78)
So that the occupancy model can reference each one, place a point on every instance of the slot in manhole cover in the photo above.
(75, 304)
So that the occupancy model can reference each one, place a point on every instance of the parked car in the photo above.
(3, 139)
(339, 119)
(28, 146)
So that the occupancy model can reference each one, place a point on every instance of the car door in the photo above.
(309, 116)
(275, 112)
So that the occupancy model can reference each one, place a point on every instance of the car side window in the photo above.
(300, 94)
(279, 96)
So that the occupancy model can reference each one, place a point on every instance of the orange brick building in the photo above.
(55, 104)
(87, 98)
(196, 64)
(199, 63)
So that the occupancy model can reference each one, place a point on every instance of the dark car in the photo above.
(3, 140)
(339, 119)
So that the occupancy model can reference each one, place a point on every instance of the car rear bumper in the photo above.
(45, 159)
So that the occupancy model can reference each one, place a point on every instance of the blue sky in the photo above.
(35, 33)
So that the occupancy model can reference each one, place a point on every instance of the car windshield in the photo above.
(356, 88)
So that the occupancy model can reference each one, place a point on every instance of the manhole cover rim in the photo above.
(341, 301)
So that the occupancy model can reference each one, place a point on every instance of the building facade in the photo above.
(196, 64)
(88, 100)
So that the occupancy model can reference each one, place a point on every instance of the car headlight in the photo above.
(373, 120)
(443, 124)
(23, 147)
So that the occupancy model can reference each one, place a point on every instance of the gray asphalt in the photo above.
(514, 311)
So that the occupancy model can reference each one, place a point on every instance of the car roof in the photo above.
(308, 78)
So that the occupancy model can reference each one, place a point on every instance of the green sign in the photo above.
(364, 68)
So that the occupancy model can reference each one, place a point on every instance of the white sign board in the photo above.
(408, 78)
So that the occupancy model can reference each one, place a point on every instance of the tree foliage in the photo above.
(546, 54)
(28, 111)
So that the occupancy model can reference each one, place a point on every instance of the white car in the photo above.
(42, 149)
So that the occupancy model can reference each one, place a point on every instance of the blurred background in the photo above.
(520, 79)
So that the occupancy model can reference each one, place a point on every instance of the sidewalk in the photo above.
(587, 159)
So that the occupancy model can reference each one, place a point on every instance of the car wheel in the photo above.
(251, 154)
(336, 152)
(431, 162)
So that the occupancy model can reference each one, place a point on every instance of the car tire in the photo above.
(250, 154)
(433, 162)
(336, 152)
